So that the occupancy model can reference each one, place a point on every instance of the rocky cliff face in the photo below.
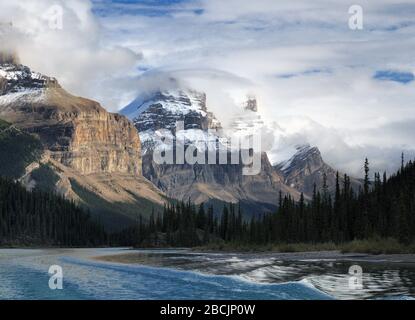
(79, 133)
(201, 183)
(98, 143)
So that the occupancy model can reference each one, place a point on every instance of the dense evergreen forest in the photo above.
(383, 207)
(41, 218)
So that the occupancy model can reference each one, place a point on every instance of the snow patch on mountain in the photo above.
(303, 152)
(20, 78)
(19, 84)
(10, 72)
(23, 96)
(248, 123)
(155, 118)
(179, 102)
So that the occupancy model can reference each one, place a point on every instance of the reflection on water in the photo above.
(182, 274)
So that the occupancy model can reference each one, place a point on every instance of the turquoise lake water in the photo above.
(180, 274)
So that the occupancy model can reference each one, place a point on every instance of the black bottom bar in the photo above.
(204, 309)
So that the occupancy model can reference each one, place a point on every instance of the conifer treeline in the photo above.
(383, 207)
(40, 218)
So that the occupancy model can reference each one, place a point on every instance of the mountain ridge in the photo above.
(81, 142)
(201, 182)
(306, 169)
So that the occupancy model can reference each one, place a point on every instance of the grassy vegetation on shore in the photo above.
(377, 246)
(370, 246)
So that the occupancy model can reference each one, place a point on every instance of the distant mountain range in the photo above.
(52, 140)
(220, 183)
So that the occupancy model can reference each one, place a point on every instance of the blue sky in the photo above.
(395, 76)
(350, 92)
(148, 8)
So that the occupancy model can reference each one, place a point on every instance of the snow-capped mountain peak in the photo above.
(175, 101)
(163, 109)
(19, 84)
(304, 153)
(18, 78)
